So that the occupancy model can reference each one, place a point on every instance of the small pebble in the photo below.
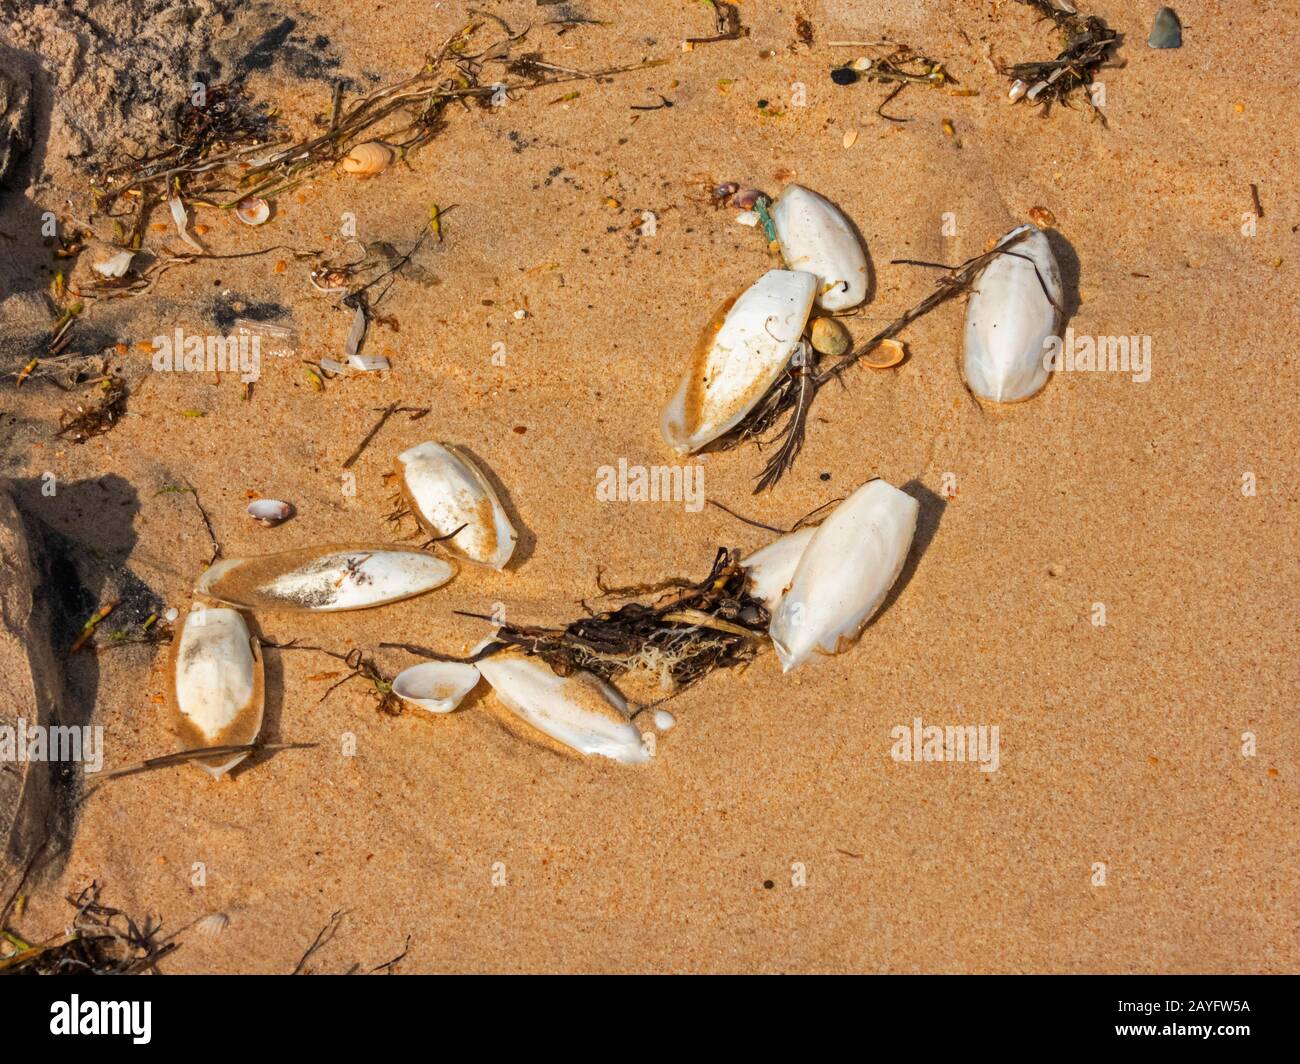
(171, 614)
(1166, 30)
(844, 75)
(1042, 217)
(664, 720)
(830, 337)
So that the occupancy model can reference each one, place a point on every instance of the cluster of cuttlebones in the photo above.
(809, 593)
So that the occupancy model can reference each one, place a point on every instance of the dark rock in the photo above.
(1166, 31)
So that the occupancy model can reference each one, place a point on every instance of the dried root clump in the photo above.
(691, 630)
(1089, 44)
(101, 941)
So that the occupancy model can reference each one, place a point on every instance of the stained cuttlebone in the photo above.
(215, 686)
(739, 355)
(436, 686)
(844, 573)
(581, 711)
(816, 237)
(1011, 312)
(771, 568)
(325, 579)
(446, 491)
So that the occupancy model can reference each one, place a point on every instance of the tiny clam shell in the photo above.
(446, 491)
(436, 686)
(366, 159)
(815, 236)
(325, 579)
(580, 712)
(213, 924)
(738, 356)
(253, 211)
(215, 687)
(269, 511)
(747, 199)
(844, 573)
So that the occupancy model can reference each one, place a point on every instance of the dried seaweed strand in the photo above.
(1089, 45)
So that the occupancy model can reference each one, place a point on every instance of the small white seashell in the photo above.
(1033, 93)
(1018, 89)
(664, 720)
(325, 579)
(861, 63)
(213, 924)
(437, 686)
(182, 220)
(816, 236)
(366, 159)
(116, 266)
(1009, 318)
(739, 355)
(771, 568)
(269, 511)
(253, 211)
(369, 363)
(581, 711)
(215, 689)
(749, 218)
(844, 574)
(445, 491)
(171, 614)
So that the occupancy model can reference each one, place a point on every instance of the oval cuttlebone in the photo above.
(771, 568)
(739, 355)
(325, 579)
(844, 574)
(436, 686)
(445, 491)
(215, 685)
(1011, 312)
(581, 712)
(816, 237)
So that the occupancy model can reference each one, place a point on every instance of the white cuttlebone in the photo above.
(740, 354)
(446, 490)
(771, 568)
(325, 579)
(847, 569)
(816, 237)
(216, 685)
(436, 686)
(1009, 318)
(580, 711)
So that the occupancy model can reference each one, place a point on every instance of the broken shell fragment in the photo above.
(366, 159)
(446, 491)
(739, 355)
(815, 236)
(1018, 90)
(325, 579)
(771, 568)
(844, 574)
(436, 686)
(580, 711)
(215, 687)
(115, 266)
(253, 211)
(830, 337)
(1010, 315)
(269, 511)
